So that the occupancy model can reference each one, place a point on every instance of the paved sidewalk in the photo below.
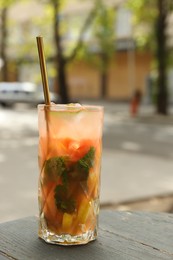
(129, 176)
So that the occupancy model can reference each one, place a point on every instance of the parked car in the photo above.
(23, 92)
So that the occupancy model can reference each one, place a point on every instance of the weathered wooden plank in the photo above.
(2, 257)
(19, 240)
(152, 229)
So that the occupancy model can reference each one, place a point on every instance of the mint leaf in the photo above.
(87, 161)
(63, 203)
(64, 178)
(80, 170)
(68, 206)
(55, 167)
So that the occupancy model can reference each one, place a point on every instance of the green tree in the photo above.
(162, 55)
(3, 44)
(152, 17)
(100, 45)
(4, 5)
(61, 58)
(104, 35)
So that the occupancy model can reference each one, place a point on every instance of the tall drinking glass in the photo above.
(70, 146)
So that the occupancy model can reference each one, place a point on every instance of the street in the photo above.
(137, 158)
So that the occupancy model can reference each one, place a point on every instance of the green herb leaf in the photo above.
(80, 170)
(55, 167)
(60, 192)
(63, 203)
(88, 160)
(68, 206)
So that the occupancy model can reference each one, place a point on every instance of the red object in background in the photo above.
(135, 103)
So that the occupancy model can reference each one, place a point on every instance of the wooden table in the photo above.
(122, 236)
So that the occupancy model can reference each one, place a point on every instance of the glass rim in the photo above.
(62, 107)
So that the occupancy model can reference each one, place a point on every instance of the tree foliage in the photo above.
(104, 35)
(100, 47)
(99, 22)
(104, 31)
(5, 5)
(152, 17)
(61, 57)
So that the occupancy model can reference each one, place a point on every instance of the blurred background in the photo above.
(115, 53)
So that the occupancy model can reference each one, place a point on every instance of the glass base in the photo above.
(66, 239)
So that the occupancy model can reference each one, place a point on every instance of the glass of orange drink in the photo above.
(70, 146)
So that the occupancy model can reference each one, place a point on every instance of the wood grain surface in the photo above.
(122, 236)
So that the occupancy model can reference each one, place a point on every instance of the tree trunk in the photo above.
(103, 84)
(162, 95)
(3, 55)
(60, 59)
(104, 77)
